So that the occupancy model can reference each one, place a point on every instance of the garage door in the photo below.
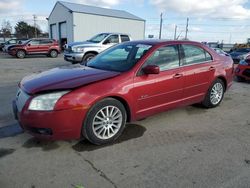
(63, 31)
(53, 31)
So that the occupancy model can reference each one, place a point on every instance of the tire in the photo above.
(53, 53)
(99, 128)
(88, 57)
(240, 79)
(215, 94)
(20, 54)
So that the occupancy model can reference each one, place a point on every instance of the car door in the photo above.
(110, 41)
(199, 69)
(158, 92)
(45, 45)
(33, 46)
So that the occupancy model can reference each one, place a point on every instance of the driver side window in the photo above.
(113, 39)
(166, 57)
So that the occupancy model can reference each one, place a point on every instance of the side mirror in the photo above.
(106, 42)
(29, 44)
(151, 69)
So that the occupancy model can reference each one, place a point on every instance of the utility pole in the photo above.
(160, 26)
(175, 31)
(34, 18)
(186, 29)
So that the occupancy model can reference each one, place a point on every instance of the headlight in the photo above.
(243, 62)
(46, 102)
(79, 49)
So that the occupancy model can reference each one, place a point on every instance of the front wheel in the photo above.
(104, 122)
(20, 54)
(88, 57)
(215, 94)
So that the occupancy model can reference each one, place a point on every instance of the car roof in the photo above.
(113, 33)
(165, 42)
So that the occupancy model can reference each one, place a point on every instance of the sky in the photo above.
(225, 21)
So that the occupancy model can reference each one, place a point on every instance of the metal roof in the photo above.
(98, 11)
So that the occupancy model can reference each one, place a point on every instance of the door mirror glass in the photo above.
(151, 69)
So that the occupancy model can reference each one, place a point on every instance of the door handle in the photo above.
(178, 75)
(211, 68)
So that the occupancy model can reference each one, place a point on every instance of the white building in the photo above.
(70, 22)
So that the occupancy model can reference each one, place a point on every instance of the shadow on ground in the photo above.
(10, 130)
(130, 132)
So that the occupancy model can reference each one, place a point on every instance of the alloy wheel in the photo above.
(107, 122)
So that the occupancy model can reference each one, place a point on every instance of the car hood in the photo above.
(236, 54)
(64, 78)
(14, 45)
(77, 44)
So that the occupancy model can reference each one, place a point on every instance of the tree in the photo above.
(23, 29)
(6, 29)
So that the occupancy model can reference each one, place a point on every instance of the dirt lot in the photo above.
(187, 147)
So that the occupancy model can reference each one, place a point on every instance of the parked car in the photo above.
(239, 54)
(78, 52)
(221, 52)
(127, 82)
(242, 72)
(49, 47)
(2, 42)
(12, 42)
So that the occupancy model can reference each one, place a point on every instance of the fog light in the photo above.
(43, 131)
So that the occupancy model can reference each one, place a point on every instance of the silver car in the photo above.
(78, 52)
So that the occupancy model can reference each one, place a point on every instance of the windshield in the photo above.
(119, 58)
(98, 38)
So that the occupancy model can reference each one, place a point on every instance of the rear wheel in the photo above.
(105, 121)
(20, 54)
(53, 53)
(215, 94)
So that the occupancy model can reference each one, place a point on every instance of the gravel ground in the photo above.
(186, 147)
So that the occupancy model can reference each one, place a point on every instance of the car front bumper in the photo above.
(52, 125)
(74, 57)
(243, 71)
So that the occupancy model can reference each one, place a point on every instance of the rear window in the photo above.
(124, 38)
(195, 55)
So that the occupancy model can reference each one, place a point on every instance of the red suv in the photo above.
(47, 47)
(127, 82)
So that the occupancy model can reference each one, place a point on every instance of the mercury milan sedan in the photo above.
(127, 82)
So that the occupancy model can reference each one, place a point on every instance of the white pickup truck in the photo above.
(78, 52)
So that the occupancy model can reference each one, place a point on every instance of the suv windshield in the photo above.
(98, 38)
(120, 58)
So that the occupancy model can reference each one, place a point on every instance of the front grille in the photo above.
(246, 72)
(68, 49)
(21, 99)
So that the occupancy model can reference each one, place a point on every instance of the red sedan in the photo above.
(125, 83)
(242, 71)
